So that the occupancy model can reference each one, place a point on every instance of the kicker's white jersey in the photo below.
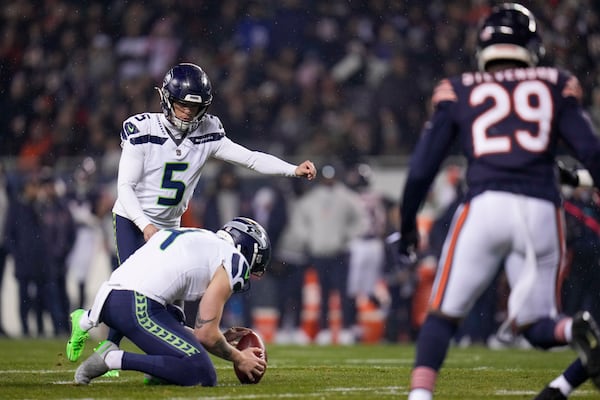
(178, 264)
(158, 172)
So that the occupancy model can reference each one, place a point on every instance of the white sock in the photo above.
(84, 321)
(420, 394)
(114, 359)
(562, 384)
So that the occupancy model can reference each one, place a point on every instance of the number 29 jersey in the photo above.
(508, 125)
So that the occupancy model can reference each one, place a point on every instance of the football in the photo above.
(250, 339)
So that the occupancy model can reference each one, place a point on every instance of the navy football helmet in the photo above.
(251, 239)
(509, 33)
(185, 83)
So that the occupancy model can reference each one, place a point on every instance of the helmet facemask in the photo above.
(185, 83)
(167, 101)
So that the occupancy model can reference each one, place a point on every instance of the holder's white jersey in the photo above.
(178, 264)
(158, 172)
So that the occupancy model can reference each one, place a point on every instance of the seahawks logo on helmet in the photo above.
(186, 83)
(251, 239)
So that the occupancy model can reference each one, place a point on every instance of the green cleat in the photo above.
(111, 373)
(76, 342)
(153, 381)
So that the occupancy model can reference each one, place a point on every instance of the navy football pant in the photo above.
(172, 352)
(128, 239)
(128, 236)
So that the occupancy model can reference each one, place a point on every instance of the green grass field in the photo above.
(38, 369)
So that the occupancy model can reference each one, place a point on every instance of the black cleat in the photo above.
(586, 341)
(550, 394)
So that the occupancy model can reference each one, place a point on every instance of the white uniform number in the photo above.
(530, 101)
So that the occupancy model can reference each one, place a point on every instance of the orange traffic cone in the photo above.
(335, 316)
(371, 320)
(311, 303)
(265, 321)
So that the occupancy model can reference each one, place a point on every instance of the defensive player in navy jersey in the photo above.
(174, 265)
(508, 119)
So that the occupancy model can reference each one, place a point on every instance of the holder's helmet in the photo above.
(251, 239)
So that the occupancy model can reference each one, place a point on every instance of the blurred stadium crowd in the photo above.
(300, 79)
(292, 77)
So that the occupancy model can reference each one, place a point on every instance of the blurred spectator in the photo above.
(132, 47)
(57, 235)
(24, 244)
(323, 57)
(82, 197)
(163, 47)
(107, 194)
(37, 146)
(224, 201)
(288, 267)
(330, 216)
(367, 251)
(268, 208)
(3, 215)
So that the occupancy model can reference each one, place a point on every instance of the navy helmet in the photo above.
(185, 83)
(510, 32)
(251, 239)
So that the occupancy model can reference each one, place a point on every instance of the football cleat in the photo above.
(153, 381)
(586, 341)
(76, 342)
(111, 373)
(550, 394)
(95, 365)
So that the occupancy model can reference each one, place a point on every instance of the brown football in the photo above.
(250, 339)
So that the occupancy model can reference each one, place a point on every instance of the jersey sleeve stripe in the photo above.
(148, 139)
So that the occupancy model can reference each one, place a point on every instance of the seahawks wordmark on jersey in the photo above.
(159, 169)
